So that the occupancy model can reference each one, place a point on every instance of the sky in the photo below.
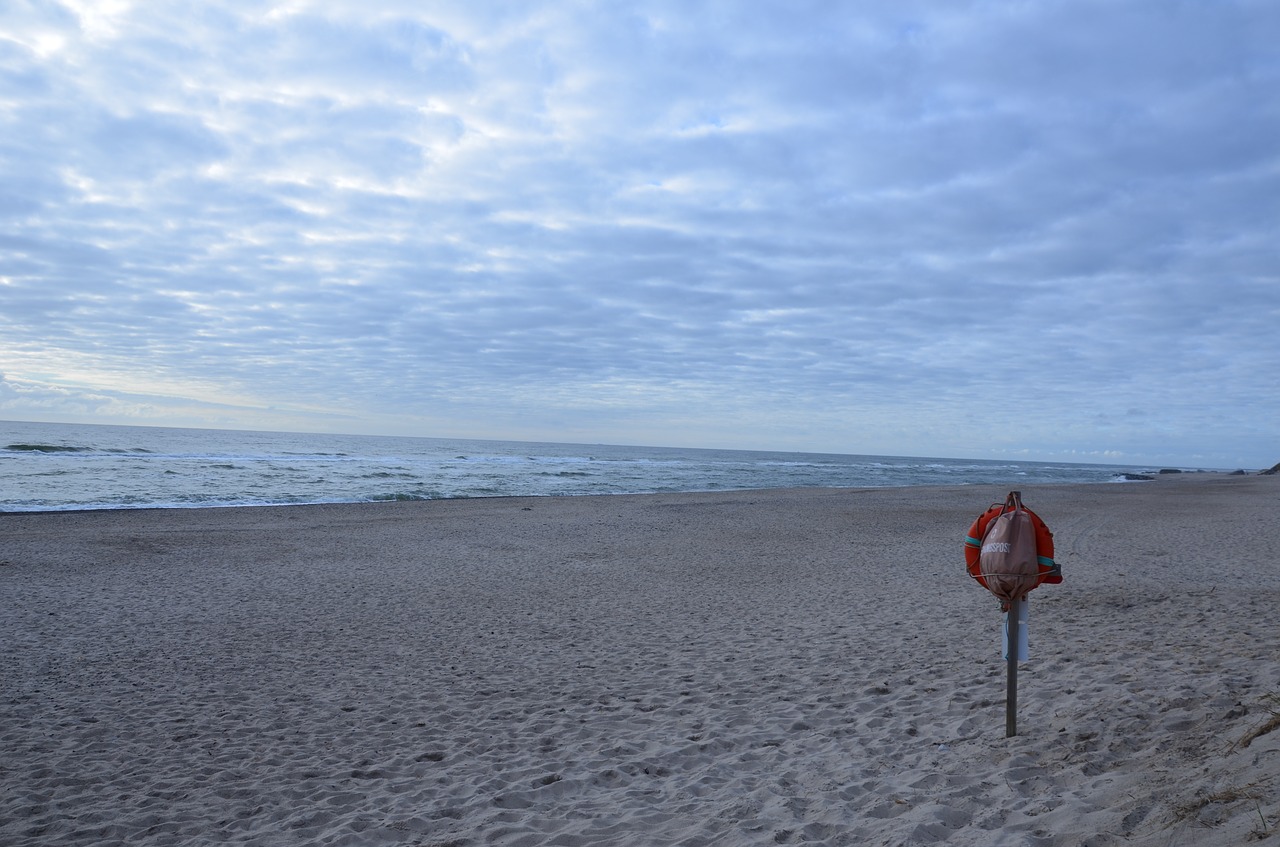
(1028, 230)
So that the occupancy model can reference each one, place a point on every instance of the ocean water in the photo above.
(46, 466)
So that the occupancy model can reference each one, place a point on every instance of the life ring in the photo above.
(1050, 571)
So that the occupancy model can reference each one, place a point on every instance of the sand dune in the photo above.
(767, 667)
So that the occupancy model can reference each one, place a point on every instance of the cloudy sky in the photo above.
(1043, 230)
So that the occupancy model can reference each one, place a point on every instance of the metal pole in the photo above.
(1013, 639)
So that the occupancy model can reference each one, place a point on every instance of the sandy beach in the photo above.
(765, 667)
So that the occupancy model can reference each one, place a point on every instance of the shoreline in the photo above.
(1154, 477)
(750, 667)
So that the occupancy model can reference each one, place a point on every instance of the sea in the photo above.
(53, 466)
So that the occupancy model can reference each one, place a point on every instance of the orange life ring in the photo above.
(1050, 571)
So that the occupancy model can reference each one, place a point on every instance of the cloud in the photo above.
(26, 397)
(895, 227)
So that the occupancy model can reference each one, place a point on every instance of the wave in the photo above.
(1131, 477)
(70, 448)
(400, 497)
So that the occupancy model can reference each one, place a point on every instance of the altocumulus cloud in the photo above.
(977, 228)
